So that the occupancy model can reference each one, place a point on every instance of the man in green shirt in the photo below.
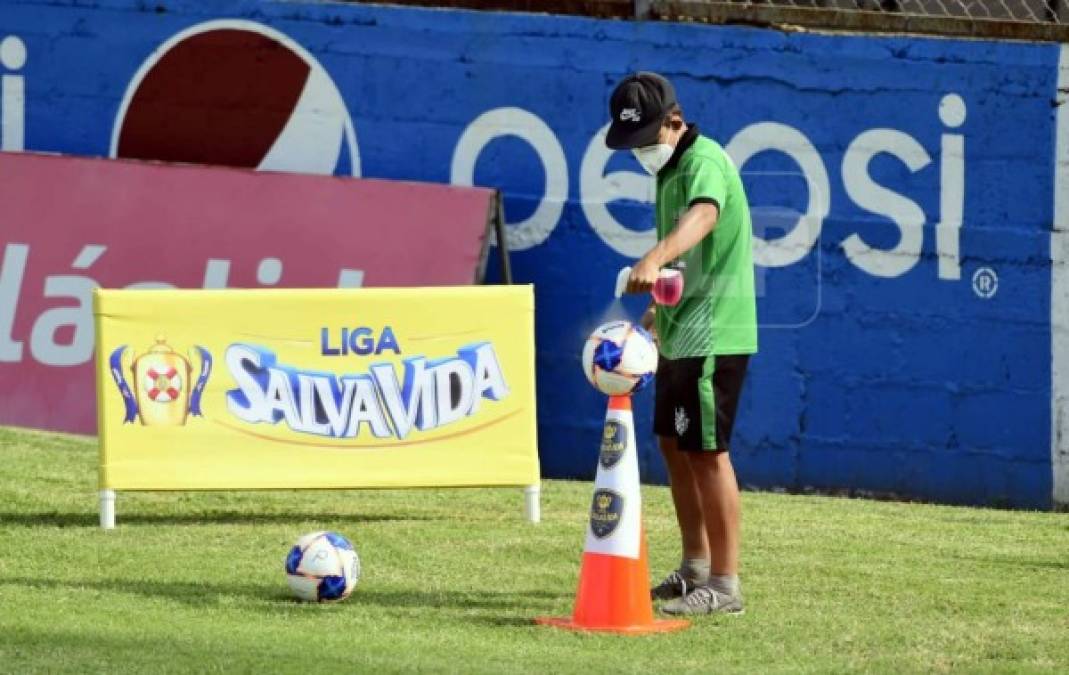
(705, 341)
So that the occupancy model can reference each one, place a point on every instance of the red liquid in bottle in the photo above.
(668, 290)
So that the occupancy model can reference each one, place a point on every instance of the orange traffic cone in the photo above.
(614, 586)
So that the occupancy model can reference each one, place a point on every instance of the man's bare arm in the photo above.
(698, 221)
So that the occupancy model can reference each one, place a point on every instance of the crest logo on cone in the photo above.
(613, 443)
(605, 513)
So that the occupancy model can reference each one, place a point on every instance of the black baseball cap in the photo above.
(638, 106)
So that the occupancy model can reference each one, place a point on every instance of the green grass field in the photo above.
(452, 579)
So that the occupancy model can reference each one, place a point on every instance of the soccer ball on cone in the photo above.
(322, 567)
(619, 358)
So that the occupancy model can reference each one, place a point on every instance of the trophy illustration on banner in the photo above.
(614, 587)
(161, 394)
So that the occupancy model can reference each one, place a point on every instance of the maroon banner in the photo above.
(69, 225)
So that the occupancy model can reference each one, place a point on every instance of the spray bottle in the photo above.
(667, 290)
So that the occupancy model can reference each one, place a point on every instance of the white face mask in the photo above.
(653, 157)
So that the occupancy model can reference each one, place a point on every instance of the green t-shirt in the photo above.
(718, 312)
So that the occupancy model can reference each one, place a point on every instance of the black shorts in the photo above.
(697, 398)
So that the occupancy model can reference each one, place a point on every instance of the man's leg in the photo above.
(693, 570)
(686, 499)
(718, 494)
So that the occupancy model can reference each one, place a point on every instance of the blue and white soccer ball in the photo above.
(619, 358)
(322, 567)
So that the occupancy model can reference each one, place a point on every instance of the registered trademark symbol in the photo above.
(985, 282)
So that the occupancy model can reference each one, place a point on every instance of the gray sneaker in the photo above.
(675, 585)
(704, 600)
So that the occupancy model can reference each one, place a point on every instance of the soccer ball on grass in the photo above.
(322, 567)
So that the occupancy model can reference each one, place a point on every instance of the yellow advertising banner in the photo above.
(364, 388)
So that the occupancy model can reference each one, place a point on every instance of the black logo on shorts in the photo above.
(613, 443)
(605, 512)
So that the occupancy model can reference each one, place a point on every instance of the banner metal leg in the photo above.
(532, 503)
(107, 509)
(502, 242)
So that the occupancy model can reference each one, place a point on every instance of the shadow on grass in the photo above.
(475, 599)
(82, 519)
(275, 597)
(514, 621)
(191, 593)
(1021, 563)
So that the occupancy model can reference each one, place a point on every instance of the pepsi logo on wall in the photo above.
(236, 93)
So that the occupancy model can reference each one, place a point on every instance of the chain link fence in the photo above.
(1043, 11)
(1027, 11)
(1040, 20)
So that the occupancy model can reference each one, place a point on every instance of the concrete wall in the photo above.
(903, 192)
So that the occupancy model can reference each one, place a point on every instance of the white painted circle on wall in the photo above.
(528, 127)
(12, 53)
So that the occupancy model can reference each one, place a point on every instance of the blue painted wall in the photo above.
(910, 383)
